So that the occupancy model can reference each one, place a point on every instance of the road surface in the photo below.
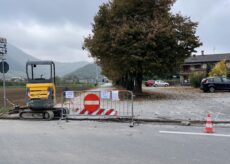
(55, 142)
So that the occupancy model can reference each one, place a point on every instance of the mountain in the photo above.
(88, 72)
(17, 59)
(65, 68)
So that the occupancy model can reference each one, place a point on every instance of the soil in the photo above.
(17, 95)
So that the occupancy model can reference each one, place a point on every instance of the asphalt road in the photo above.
(54, 142)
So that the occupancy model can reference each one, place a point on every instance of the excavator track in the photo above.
(46, 115)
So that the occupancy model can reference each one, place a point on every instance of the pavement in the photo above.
(58, 142)
(177, 104)
(184, 103)
(181, 103)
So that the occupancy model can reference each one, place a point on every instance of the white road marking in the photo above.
(191, 133)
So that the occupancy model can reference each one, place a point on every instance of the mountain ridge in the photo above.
(16, 58)
(88, 72)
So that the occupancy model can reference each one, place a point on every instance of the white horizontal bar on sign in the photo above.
(92, 102)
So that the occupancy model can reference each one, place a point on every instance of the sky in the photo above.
(55, 29)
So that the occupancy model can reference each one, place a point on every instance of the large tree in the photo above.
(132, 38)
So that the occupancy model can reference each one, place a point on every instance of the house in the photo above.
(201, 63)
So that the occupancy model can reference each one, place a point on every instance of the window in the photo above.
(39, 72)
(210, 80)
(197, 66)
(217, 80)
(225, 80)
(204, 66)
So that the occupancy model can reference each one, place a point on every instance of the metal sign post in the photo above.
(3, 51)
(4, 84)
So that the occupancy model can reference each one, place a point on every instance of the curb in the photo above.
(178, 121)
(136, 120)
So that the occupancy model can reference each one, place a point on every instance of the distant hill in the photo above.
(17, 60)
(88, 72)
(63, 69)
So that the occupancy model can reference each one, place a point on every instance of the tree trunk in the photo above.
(122, 81)
(138, 79)
(138, 83)
(130, 85)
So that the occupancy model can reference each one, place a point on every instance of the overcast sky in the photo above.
(55, 29)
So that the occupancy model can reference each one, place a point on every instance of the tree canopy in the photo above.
(220, 69)
(133, 38)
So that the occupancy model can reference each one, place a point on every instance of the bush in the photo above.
(13, 84)
(220, 69)
(195, 79)
(228, 73)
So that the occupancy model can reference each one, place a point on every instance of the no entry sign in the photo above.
(91, 102)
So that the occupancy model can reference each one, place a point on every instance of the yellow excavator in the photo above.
(40, 92)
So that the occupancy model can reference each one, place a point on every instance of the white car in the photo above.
(160, 83)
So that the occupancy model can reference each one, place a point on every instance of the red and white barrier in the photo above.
(107, 103)
(99, 112)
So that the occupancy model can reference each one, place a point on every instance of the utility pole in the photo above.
(4, 84)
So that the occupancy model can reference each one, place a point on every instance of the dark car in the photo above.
(215, 83)
(149, 83)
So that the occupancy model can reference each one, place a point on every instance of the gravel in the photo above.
(184, 103)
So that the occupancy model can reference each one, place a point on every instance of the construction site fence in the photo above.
(98, 104)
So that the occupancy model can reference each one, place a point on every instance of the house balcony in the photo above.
(188, 72)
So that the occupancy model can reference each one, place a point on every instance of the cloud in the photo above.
(62, 54)
(55, 29)
(47, 41)
(52, 30)
(213, 17)
(50, 12)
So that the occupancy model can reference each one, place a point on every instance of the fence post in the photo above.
(62, 105)
(132, 111)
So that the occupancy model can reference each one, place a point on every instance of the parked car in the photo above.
(215, 83)
(149, 83)
(160, 83)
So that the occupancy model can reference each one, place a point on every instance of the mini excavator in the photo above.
(40, 92)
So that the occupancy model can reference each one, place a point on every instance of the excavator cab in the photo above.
(40, 89)
(40, 93)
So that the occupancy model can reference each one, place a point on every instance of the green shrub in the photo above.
(13, 84)
(220, 69)
(228, 73)
(195, 79)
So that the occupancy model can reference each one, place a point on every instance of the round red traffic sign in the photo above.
(91, 102)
